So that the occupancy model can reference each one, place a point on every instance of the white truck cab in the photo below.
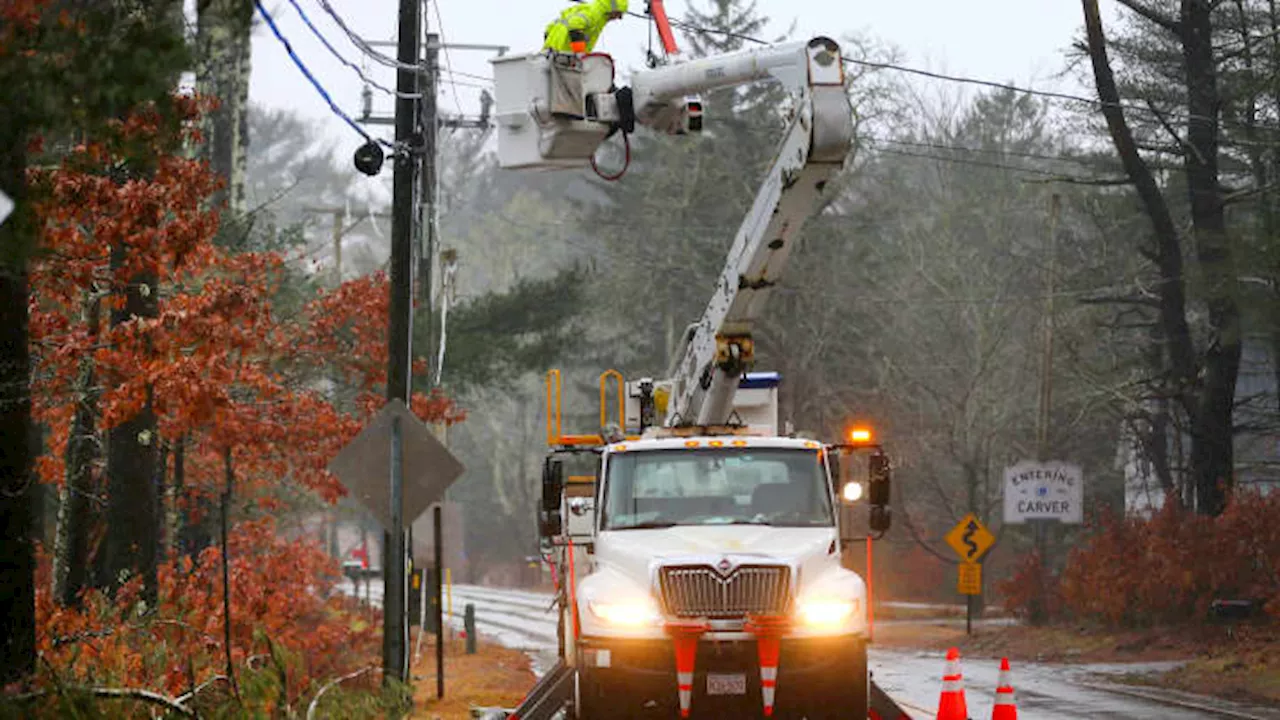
(726, 542)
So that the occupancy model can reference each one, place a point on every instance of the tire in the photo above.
(845, 691)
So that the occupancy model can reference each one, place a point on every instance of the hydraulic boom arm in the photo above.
(818, 138)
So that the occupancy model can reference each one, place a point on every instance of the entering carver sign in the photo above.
(1049, 490)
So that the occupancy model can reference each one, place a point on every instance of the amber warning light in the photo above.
(861, 436)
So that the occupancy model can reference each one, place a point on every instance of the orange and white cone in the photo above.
(768, 648)
(952, 706)
(685, 640)
(768, 631)
(1006, 705)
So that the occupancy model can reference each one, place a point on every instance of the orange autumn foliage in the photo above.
(1168, 568)
(221, 368)
(282, 590)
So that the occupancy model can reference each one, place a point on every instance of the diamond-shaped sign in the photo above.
(969, 538)
(6, 206)
(364, 465)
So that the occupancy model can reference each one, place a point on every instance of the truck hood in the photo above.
(637, 553)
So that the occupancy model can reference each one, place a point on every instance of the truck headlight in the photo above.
(826, 613)
(626, 613)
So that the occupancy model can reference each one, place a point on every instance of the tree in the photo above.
(1202, 380)
(124, 53)
(222, 72)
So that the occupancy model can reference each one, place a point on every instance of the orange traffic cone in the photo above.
(1006, 706)
(768, 631)
(685, 640)
(768, 647)
(952, 706)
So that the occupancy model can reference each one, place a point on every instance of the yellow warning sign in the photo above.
(969, 582)
(970, 539)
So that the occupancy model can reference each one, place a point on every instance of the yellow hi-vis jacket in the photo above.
(589, 17)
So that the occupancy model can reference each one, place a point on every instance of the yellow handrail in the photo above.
(553, 406)
(622, 399)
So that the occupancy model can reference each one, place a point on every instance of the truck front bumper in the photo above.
(642, 673)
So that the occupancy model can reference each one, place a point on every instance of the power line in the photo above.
(999, 166)
(448, 62)
(687, 26)
(473, 76)
(982, 151)
(364, 46)
(1082, 162)
(325, 41)
(314, 82)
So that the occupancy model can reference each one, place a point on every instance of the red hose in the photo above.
(626, 142)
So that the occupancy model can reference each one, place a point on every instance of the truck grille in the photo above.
(700, 591)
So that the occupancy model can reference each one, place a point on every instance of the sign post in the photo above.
(421, 469)
(1043, 493)
(970, 540)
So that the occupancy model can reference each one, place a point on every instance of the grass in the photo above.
(494, 677)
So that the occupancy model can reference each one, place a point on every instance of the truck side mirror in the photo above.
(878, 485)
(552, 484)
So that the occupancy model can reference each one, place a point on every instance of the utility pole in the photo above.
(340, 231)
(1039, 609)
(426, 185)
(394, 644)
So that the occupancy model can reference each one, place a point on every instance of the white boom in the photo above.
(553, 111)
(817, 140)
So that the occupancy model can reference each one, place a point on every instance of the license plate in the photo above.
(726, 684)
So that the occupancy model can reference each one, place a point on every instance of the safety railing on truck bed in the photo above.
(555, 432)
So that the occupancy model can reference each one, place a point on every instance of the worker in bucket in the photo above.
(579, 26)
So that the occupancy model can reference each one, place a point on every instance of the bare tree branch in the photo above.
(1163, 21)
(138, 694)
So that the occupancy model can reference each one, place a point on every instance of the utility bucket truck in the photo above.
(698, 549)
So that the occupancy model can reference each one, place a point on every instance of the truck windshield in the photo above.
(759, 486)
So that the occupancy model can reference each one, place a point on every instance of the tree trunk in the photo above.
(17, 557)
(1204, 386)
(173, 526)
(166, 542)
(1156, 443)
(1212, 417)
(133, 531)
(223, 49)
(76, 514)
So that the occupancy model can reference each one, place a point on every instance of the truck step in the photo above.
(549, 696)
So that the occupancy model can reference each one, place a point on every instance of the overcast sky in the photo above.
(1006, 40)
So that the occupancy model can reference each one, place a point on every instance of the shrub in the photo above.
(1168, 568)
(290, 632)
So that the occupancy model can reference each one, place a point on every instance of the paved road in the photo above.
(523, 620)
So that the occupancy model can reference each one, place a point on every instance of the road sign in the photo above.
(970, 539)
(6, 206)
(969, 581)
(364, 465)
(1051, 490)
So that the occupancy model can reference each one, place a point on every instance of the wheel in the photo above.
(844, 691)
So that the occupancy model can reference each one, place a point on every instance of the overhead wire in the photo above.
(275, 29)
(990, 165)
(1051, 94)
(362, 44)
(333, 51)
(473, 76)
(448, 62)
